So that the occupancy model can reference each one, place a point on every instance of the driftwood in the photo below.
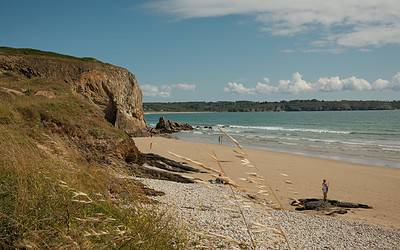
(168, 164)
(146, 172)
(158, 167)
(329, 206)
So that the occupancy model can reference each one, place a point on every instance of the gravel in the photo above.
(215, 217)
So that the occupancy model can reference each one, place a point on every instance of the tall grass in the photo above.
(47, 203)
(51, 198)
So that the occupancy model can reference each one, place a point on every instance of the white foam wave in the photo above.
(289, 143)
(391, 149)
(272, 128)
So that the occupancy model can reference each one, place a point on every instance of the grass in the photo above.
(46, 203)
(35, 52)
(52, 197)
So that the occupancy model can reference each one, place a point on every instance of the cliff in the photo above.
(91, 107)
(67, 157)
(112, 89)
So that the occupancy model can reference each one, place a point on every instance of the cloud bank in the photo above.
(185, 86)
(165, 90)
(298, 85)
(340, 23)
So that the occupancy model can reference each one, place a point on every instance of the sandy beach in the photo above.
(287, 177)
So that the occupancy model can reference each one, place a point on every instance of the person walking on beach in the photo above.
(325, 187)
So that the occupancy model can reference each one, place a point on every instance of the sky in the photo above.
(214, 50)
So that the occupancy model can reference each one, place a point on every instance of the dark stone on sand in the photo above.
(217, 181)
(336, 211)
(321, 205)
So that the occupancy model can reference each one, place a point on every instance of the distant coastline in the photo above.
(249, 106)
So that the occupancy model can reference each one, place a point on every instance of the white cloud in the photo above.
(347, 23)
(298, 85)
(356, 84)
(381, 84)
(396, 82)
(238, 88)
(185, 86)
(329, 84)
(156, 91)
(165, 90)
(294, 86)
(370, 36)
(265, 88)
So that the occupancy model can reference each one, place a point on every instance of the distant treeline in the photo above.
(248, 106)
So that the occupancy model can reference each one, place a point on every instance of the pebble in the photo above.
(222, 217)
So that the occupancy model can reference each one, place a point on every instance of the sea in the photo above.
(365, 137)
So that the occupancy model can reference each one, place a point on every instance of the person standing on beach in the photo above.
(325, 187)
(220, 139)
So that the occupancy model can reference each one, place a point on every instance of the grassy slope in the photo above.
(51, 195)
(34, 52)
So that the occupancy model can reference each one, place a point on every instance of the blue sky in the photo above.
(183, 50)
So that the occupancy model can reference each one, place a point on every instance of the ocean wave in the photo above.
(374, 133)
(391, 149)
(228, 128)
(288, 143)
(272, 128)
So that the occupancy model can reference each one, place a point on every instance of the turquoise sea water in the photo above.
(368, 137)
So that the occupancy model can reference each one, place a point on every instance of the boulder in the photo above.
(167, 126)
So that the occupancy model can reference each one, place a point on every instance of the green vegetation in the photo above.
(35, 52)
(57, 190)
(248, 106)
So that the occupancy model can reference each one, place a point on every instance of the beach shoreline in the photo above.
(291, 176)
(364, 137)
(313, 154)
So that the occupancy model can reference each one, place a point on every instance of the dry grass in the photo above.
(52, 198)
(256, 178)
(45, 203)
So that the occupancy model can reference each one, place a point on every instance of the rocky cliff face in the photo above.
(113, 89)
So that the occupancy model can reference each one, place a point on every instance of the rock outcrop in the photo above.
(329, 207)
(113, 89)
(167, 126)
